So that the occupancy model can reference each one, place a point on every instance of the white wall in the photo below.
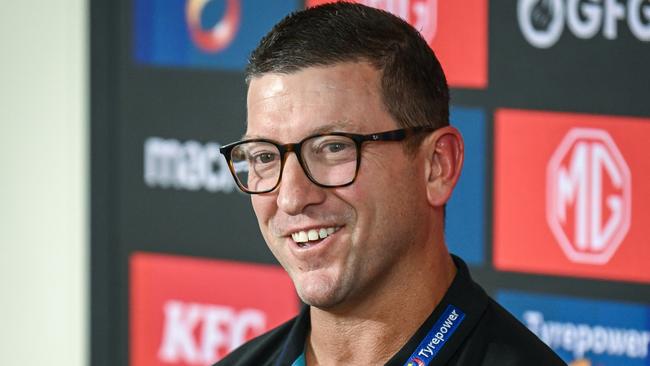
(43, 183)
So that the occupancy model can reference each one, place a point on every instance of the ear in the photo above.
(444, 151)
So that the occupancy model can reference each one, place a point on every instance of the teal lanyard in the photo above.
(300, 361)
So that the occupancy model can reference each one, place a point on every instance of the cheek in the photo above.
(389, 195)
(264, 207)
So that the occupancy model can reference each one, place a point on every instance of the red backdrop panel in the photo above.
(187, 311)
(564, 201)
(455, 30)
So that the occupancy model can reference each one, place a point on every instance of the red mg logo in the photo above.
(588, 196)
(421, 14)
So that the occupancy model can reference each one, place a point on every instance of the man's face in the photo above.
(375, 220)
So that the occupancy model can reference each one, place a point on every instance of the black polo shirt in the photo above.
(466, 328)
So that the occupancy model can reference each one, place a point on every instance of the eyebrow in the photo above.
(336, 126)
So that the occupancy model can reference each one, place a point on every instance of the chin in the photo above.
(319, 291)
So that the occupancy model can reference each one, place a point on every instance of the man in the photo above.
(349, 159)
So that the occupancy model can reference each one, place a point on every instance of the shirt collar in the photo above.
(463, 293)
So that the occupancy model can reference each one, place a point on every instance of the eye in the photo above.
(264, 157)
(335, 147)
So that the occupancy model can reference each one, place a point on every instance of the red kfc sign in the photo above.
(186, 311)
(455, 30)
(572, 194)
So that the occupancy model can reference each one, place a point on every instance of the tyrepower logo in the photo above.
(186, 311)
(597, 332)
(456, 31)
(588, 175)
(542, 22)
(572, 194)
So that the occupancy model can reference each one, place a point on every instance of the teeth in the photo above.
(313, 234)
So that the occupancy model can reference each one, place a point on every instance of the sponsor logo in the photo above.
(456, 31)
(571, 194)
(421, 14)
(588, 174)
(202, 33)
(542, 22)
(219, 330)
(439, 334)
(580, 338)
(218, 36)
(416, 362)
(605, 332)
(186, 311)
(189, 165)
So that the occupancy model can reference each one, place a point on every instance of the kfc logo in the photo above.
(202, 333)
(189, 311)
(588, 200)
(221, 34)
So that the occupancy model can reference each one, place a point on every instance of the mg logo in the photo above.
(421, 14)
(588, 196)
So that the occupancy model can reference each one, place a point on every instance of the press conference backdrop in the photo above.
(552, 211)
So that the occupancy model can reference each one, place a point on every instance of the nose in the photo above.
(296, 191)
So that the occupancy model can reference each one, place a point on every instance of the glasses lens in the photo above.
(331, 160)
(257, 165)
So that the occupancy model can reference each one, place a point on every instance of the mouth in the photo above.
(308, 238)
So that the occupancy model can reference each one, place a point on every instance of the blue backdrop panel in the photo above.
(465, 221)
(162, 35)
(603, 332)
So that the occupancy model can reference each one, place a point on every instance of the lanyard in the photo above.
(432, 343)
(300, 361)
(437, 337)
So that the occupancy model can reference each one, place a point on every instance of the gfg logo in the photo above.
(542, 21)
(588, 196)
(421, 14)
(219, 35)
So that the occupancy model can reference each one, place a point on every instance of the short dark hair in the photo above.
(413, 85)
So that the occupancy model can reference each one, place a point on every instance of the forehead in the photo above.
(341, 97)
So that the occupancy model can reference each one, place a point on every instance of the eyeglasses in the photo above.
(329, 160)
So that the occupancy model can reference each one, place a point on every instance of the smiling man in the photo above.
(349, 159)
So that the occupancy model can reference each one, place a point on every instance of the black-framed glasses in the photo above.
(329, 160)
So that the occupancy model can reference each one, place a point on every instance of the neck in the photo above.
(371, 329)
